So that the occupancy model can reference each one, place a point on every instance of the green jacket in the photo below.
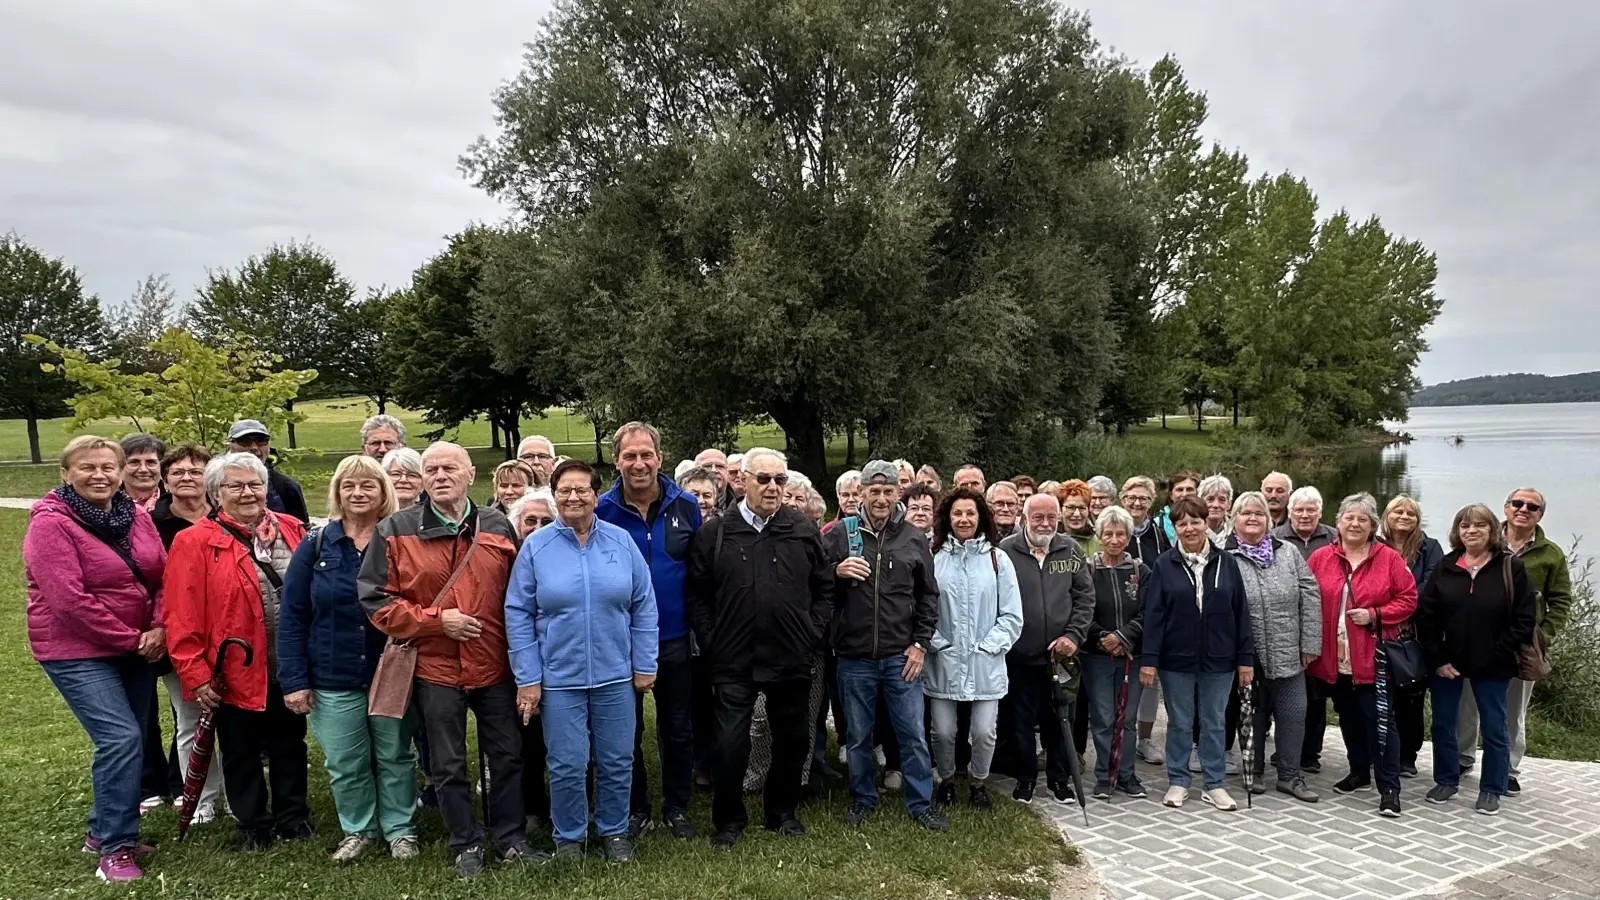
(1548, 575)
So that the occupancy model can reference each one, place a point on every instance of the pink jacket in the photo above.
(83, 600)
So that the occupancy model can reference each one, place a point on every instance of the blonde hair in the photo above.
(529, 473)
(84, 443)
(361, 466)
(1411, 544)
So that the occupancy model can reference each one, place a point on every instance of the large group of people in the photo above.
(944, 632)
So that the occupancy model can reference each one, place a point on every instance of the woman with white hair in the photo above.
(403, 465)
(1110, 647)
(1368, 592)
(536, 509)
(1286, 623)
(1216, 492)
(1102, 493)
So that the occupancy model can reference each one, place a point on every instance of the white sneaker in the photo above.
(404, 848)
(1194, 760)
(205, 812)
(893, 781)
(151, 804)
(1150, 753)
(1219, 798)
(351, 848)
(1175, 796)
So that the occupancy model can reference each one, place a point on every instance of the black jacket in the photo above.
(1118, 603)
(894, 608)
(168, 523)
(759, 605)
(1057, 596)
(1149, 544)
(284, 495)
(1471, 623)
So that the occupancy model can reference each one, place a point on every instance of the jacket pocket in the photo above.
(675, 541)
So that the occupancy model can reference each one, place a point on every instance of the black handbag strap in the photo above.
(268, 572)
(122, 552)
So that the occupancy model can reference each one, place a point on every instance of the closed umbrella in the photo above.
(205, 737)
(1247, 740)
(1065, 685)
(1114, 762)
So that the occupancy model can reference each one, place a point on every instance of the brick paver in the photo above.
(1340, 848)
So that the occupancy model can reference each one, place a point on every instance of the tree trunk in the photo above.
(494, 435)
(1236, 407)
(1200, 416)
(807, 439)
(513, 430)
(288, 406)
(383, 403)
(850, 446)
(1163, 420)
(1122, 429)
(33, 440)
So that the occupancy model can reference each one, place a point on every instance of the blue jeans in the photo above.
(576, 722)
(111, 698)
(1492, 722)
(1192, 694)
(1102, 680)
(859, 683)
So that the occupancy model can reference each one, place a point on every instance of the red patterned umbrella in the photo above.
(1114, 761)
(205, 738)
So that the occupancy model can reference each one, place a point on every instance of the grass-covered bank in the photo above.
(44, 783)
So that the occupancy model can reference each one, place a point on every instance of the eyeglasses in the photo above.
(175, 474)
(1135, 500)
(536, 521)
(536, 457)
(239, 489)
(780, 479)
(1529, 505)
(574, 492)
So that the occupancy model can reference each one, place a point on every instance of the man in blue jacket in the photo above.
(662, 520)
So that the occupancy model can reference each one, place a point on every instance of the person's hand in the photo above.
(458, 626)
(1147, 676)
(642, 683)
(299, 702)
(153, 644)
(854, 567)
(1360, 616)
(1063, 646)
(914, 659)
(528, 701)
(1111, 644)
(1246, 675)
(1447, 671)
(207, 696)
(1306, 659)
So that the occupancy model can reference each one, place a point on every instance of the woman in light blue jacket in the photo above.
(980, 617)
(581, 625)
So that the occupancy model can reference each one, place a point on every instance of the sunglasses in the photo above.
(780, 479)
(537, 521)
(1529, 505)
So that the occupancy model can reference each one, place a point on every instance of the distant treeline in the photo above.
(1518, 388)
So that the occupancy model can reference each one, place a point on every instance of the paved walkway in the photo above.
(1544, 843)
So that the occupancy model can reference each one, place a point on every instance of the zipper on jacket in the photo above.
(877, 570)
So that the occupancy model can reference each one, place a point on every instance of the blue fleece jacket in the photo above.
(580, 616)
(664, 541)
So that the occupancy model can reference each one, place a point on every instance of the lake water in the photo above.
(1550, 447)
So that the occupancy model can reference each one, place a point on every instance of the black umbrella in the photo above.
(1064, 682)
(1247, 739)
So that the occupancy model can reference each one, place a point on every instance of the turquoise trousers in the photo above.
(370, 764)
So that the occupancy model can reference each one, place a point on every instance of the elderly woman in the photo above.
(94, 567)
(141, 481)
(1197, 635)
(403, 465)
(816, 505)
(535, 510)
(512, 479)
(141, 469)
(1148, 543)
(1109, 648)
(980, 617)
(1005, 504)
(1286, 622)
(1402, 530)
(1216, 492)
(1102, 493)
(581, 622)
(1076, 519)
(927, 475)
(794, 492)
(1471, 631)
(1365, 586)
(327, 652)
(921, 505)
(225, 579)
(701, 484)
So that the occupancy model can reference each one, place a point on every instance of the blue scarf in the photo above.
(114, 523)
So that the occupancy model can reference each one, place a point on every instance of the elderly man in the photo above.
(736, 474)
(1551, 583)
(283, 493)
(539, 452)
(970, 476)
(436, 574)
(886, 604)
(1005, 503)
(662, 519)
(380, 434)
(1277, 487)
(1057, 607)
(716, 462)
(1305, 529)
(760, 593)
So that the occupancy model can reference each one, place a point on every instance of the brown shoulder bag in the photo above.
(1533, 659)
(390, 693)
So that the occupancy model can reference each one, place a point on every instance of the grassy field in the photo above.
(44, 780)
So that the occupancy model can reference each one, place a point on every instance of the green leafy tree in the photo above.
(137, 324)
(40, 296)
(364, 363)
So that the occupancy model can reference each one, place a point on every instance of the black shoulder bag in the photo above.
(1407, 664)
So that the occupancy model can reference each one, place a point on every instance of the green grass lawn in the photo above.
(44, 783)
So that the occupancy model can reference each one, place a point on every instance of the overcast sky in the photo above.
(148, 136)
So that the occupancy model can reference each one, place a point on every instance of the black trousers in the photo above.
(156, 778)
(535, 791)
(244, 737)
(1357, 705)
(1318, 693)
(1408, 721)
(674, 693)
(1030, 704)
(444, 713)
(702, 712)
(788, 715)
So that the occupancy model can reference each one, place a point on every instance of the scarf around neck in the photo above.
(1260, 554)
(114, 523)
(263, 536)
(1197, 560)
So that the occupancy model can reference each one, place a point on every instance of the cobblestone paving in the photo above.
(1340, 848)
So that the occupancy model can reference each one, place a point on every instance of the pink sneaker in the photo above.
(91, 845)
(118, 867)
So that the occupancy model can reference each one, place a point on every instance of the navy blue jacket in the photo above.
(1428, 557)
(1178, 636)
(664, 541)
(325, 641)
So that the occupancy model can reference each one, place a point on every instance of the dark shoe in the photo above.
(1023, 792)
(1467, 764)
(1258, 785)
(1408, 770)
(821, 769)
(945, 794)
(1063, 792)
(788, 826)
(569, 850)
(1488, 804)
(1389, 805)
(933, 822)
(1350, 784)
(1311, 766)
(858, 813)
(1513, 788)
(1133, 787)
(618, 848)
(1299, 790)
(639, 824)
(680, 826)
(1442, 793)
(725, 838)
(978, 796)
(299, 832)
(1102, 790)
(469, 863)
(255, 841)
(524, 852)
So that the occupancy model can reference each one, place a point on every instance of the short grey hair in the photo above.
(1288, 482)
(1364, 503)
(1055, 504)
(405, 458)
(682, 467)
(1247, 498)
(797, 479)
(755, 453)
(528, 440)
(851, 478)
(383, 421)
(1214, 486)
(695, 473)
(816, 505)
(1101, 484)
(1001, 486)
(1113, 515)
(1304, 495)
(217, 469)
(534, 495)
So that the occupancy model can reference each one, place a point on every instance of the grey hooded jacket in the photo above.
(1285, 607)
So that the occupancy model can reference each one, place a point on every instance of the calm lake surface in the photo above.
(1551, 447)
